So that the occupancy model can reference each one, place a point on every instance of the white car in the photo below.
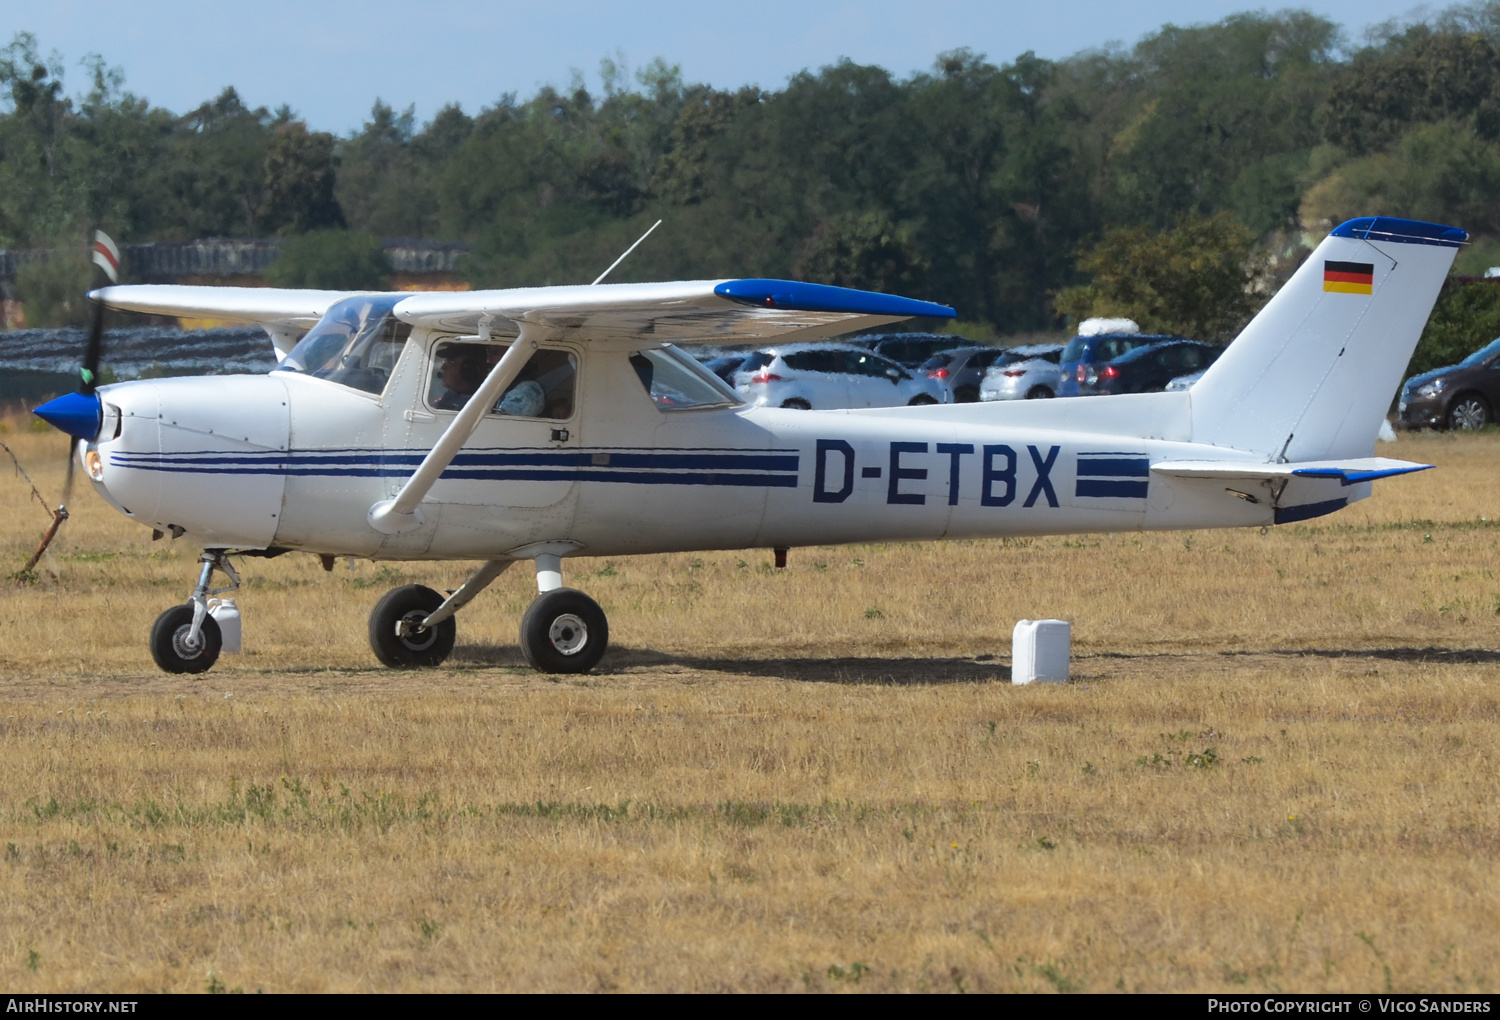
(1032, 374)
(1185, 382)
(824, 376)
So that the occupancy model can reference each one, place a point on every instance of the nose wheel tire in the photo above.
(1469, 413)
(394, 635)
(170, 646)
(564, 631)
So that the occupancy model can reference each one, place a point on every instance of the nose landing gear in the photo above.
(562, 631)
(185, 639)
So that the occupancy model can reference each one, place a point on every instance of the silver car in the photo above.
(1035, 374)
(825, 376)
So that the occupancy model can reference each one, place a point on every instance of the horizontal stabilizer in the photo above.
(1348, 472)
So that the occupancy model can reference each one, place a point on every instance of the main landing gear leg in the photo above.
(185, 639)
(412, 627)
(563, 631)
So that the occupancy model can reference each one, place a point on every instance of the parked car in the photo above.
(961, 371)
(1461, 396)
(1149, 369)
(909, 349)
(725, 365)
(1084, 354)
(1025, 373)
(825, 376)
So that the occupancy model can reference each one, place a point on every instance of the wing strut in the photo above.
(403, 513)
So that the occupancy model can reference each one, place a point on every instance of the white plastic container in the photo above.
(227, 614)
(1039, 651)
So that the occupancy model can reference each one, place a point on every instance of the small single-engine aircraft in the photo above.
(536, 424)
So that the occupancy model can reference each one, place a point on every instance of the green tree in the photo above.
(1465, 318)
(299, 176)
(1196, 279)
(1419, 76)
(1442, 172)
(53, 287)
(866, 251)
(330, 260)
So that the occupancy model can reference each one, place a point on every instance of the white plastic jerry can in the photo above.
(227, 615)
(1039, 651)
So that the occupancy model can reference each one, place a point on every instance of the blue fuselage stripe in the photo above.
(1115, 467)
(1108, 487)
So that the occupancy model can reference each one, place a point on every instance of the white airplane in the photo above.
(537, 424)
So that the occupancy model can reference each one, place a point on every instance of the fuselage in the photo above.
(287, 460)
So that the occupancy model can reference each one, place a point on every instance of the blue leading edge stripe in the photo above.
(1385, 228)
(819, 297)
(1352, 477)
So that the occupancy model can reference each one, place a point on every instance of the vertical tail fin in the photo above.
(1312, 375)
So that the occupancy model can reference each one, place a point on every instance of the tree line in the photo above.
(1014, 191)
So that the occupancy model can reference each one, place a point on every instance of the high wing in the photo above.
(712, 311)
(285, 314)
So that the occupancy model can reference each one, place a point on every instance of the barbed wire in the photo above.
(47, 507)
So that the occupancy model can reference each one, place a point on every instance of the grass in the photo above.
(1275, 769)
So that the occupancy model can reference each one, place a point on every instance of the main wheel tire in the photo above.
(1040, 393)
(411, 604)
(564, 631)
(169, 647)
(920, 400)
(1469, 413)
(796, 404)
(966, 395)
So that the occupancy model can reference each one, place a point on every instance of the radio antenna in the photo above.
(622, 258)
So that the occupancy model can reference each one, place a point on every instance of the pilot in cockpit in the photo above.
(459, 376)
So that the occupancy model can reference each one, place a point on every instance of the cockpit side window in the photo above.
(543, 389)
(356, 343)
(678, 383)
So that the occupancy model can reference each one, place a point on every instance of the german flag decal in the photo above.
(1349, 277)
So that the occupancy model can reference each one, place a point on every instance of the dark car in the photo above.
(1148, 369)
(960, 372)
(1084, 354)
(1461, 396)
(910, 349)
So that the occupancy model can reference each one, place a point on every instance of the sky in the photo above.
(330, 59)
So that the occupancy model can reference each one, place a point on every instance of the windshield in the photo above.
(676, 382)
(356, 343)
(1482, 355)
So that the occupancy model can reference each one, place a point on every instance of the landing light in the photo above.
(94, 464)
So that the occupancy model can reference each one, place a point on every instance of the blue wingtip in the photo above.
(77, 414)
(819, 297)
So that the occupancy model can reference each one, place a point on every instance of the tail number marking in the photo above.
(833, 473)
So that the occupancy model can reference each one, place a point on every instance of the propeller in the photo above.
(79, 414)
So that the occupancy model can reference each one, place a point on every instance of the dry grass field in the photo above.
(1276, 768)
